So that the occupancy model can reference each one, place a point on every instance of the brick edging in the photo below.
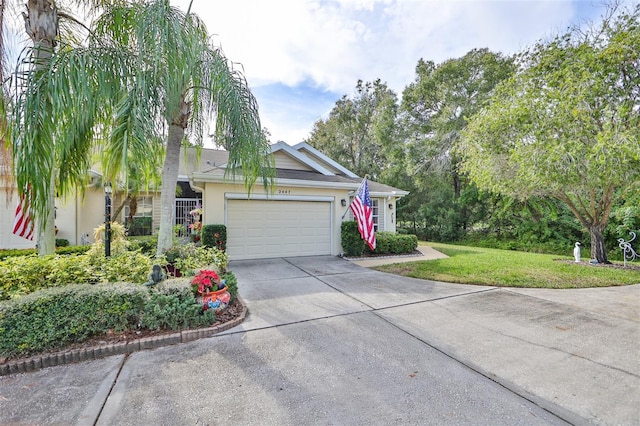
(85, 354)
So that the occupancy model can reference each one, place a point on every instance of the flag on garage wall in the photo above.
(363, 213)
(23, 225)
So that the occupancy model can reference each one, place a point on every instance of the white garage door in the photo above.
(267, 228)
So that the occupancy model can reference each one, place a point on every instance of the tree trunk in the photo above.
(169, 181)
(598, 249)
(41, 24)
(47, 225)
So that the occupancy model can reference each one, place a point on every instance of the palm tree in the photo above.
(35, 158)
(181, 83)
(148, 71)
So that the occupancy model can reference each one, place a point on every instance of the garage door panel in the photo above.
(269, 228)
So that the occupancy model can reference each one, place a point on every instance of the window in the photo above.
(375, 214)
(144, 207)
(142, 223)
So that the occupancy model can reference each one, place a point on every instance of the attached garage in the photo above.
(261, 228)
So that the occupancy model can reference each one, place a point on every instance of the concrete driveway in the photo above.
(329, 342)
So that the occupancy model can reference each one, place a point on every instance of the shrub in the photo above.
(173, 312)
(130, 267)
(146, 244)
(62, 242)
(389, 242)
(214, 236)
(189, 257)
(51, 319)
(28, 252)
(352, 243)
(232, 284)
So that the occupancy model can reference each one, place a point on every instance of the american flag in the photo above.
(363, 213)
(23, 223)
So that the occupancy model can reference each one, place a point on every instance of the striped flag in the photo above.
(363, 213)
(23, 223)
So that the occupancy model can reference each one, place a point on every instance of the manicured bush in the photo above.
(214, 236)
(173, 312)
(62, 242)
(352, 243)
(26, 274)
(51, 319)
(392, 243)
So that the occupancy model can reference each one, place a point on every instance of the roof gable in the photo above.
(321, 158)
(297, 158)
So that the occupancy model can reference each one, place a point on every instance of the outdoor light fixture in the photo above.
(107, 218)
(343, 202)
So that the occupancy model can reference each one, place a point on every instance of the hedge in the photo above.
(51, 319)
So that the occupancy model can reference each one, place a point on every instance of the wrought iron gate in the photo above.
(183, 218)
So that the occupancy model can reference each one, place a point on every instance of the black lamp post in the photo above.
(107, 218)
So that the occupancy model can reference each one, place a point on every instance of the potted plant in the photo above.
(210, 290)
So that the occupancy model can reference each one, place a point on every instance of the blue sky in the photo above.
(301, 56)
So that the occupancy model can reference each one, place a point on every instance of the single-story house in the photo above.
(302, 215)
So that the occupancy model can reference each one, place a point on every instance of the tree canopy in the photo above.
(566, 125)
(360, 129)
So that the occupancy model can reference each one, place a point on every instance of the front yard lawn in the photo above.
(504, 268)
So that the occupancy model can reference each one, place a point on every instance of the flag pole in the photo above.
(357, 191)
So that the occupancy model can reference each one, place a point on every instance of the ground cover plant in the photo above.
(506, 268)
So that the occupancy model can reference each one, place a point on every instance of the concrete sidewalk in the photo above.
(329, 342)
(428, 253)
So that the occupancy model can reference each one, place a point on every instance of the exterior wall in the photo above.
(74, 217)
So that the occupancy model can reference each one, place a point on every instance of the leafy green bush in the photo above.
(189, 257)
(51, 319)
(28, 252)
(172, 312)
(214, 236)
(146, 244)
(130, 267)
(389, 242)
(232, 284)
(352, 243)
(62, 242)
(26, 274)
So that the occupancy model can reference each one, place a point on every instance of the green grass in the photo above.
(504, 268)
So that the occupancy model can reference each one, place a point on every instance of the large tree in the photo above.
(360, 129)
(181, 83)
(438, 104)
(35, 159)
(148, 70)
(567, 125)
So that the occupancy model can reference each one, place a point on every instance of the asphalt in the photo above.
(328, 341)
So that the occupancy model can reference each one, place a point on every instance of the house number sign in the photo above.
(284, 191)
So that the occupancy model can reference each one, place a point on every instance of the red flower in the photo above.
(206, 280)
